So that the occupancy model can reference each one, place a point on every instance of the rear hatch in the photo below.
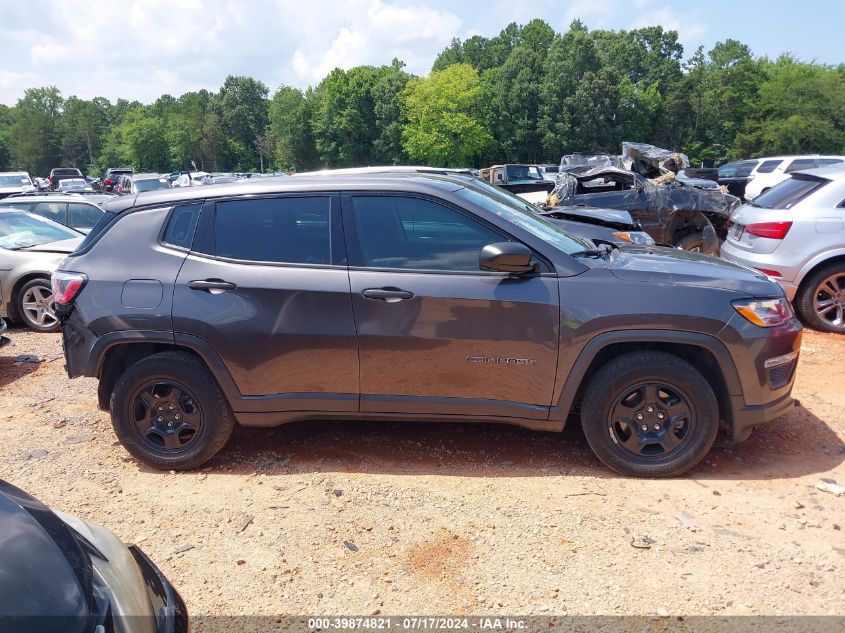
(760, 226)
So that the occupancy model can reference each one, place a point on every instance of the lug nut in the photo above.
(170, 424)
(650, 409)
(161, 407)
(644, 427)
(178, 416)
(160, 419)
(656, 427)
(661, 415)
(639, 416)
(171, 406)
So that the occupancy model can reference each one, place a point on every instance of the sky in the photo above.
(141, 49)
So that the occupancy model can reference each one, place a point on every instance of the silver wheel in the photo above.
(38, 307)
(829, 301)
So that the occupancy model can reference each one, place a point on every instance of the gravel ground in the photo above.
(333, 518)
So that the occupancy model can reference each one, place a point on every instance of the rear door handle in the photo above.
(214, 286)
(388, 295)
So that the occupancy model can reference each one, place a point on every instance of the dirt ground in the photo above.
(333, 518)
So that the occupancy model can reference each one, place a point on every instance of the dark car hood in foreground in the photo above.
(672, 266)
(36, 577)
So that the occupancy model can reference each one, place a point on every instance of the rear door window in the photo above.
(288, 230)
(83, 216)
(56, 211)
(768, 166)
(800, 163)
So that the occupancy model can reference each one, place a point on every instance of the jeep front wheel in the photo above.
(649, 414)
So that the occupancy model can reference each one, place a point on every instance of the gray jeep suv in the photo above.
(421, 297)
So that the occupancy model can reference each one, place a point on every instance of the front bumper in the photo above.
(749, 417)
(171, 614)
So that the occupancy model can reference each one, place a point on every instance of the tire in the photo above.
(663, 451)
(154, 432)
(691, 242)
(821, 300)
(34, 305)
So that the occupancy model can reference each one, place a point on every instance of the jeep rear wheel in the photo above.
(649, 414)
(168, 411)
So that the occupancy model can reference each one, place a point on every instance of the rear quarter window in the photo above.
(799, 164)
(181, 225)
(768, 166)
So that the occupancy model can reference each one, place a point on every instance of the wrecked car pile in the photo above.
(684, 213)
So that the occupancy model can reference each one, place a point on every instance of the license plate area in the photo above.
(736, 231)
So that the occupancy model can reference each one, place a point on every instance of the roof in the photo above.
(70, 196)
(788, 156)
(833, 172)
(315, 182)
(14, 173)
(148, 176)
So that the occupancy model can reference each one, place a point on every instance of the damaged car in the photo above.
(686, 213)
(518, 178)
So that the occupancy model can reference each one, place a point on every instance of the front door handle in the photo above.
(214, 286)
(388, 295)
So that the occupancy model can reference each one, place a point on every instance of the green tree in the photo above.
(293, 144)
(34, 136)
(442, 112)
(241, 106)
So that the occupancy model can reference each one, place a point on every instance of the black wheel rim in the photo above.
(651, 421)
(166, 416)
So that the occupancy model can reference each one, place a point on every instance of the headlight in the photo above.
(634, 237)
(765, 312)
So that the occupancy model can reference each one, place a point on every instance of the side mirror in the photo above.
(506, 257)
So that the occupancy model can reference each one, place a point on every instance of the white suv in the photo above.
(774, 169)
(795, 233)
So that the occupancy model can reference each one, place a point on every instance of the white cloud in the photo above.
(690, 31)
(373, 33)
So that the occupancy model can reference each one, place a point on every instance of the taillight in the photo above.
(772, 230)
(109, 181)
(66, 286)
(51, 180)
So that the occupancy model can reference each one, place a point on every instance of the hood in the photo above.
(7, 191)
(62, 246)
(612, 218)
(672, 266)
(43, 569)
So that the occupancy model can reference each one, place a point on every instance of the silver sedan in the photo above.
(31, 248)
(795, 233)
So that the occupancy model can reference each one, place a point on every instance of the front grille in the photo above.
(781, 375)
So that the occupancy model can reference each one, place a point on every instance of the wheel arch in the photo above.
(20, 282)
(704, 352)
(117, 351)
(823, 259)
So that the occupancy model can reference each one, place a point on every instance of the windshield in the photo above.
(516, 211)
(788, 193)
(22, 230)
(67, 183)
(737, 170)
(151, 184)
(15, 181)
(523, 172)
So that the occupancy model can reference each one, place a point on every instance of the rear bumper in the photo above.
(759, 261)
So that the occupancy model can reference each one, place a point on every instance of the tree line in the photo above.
(527, 94)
